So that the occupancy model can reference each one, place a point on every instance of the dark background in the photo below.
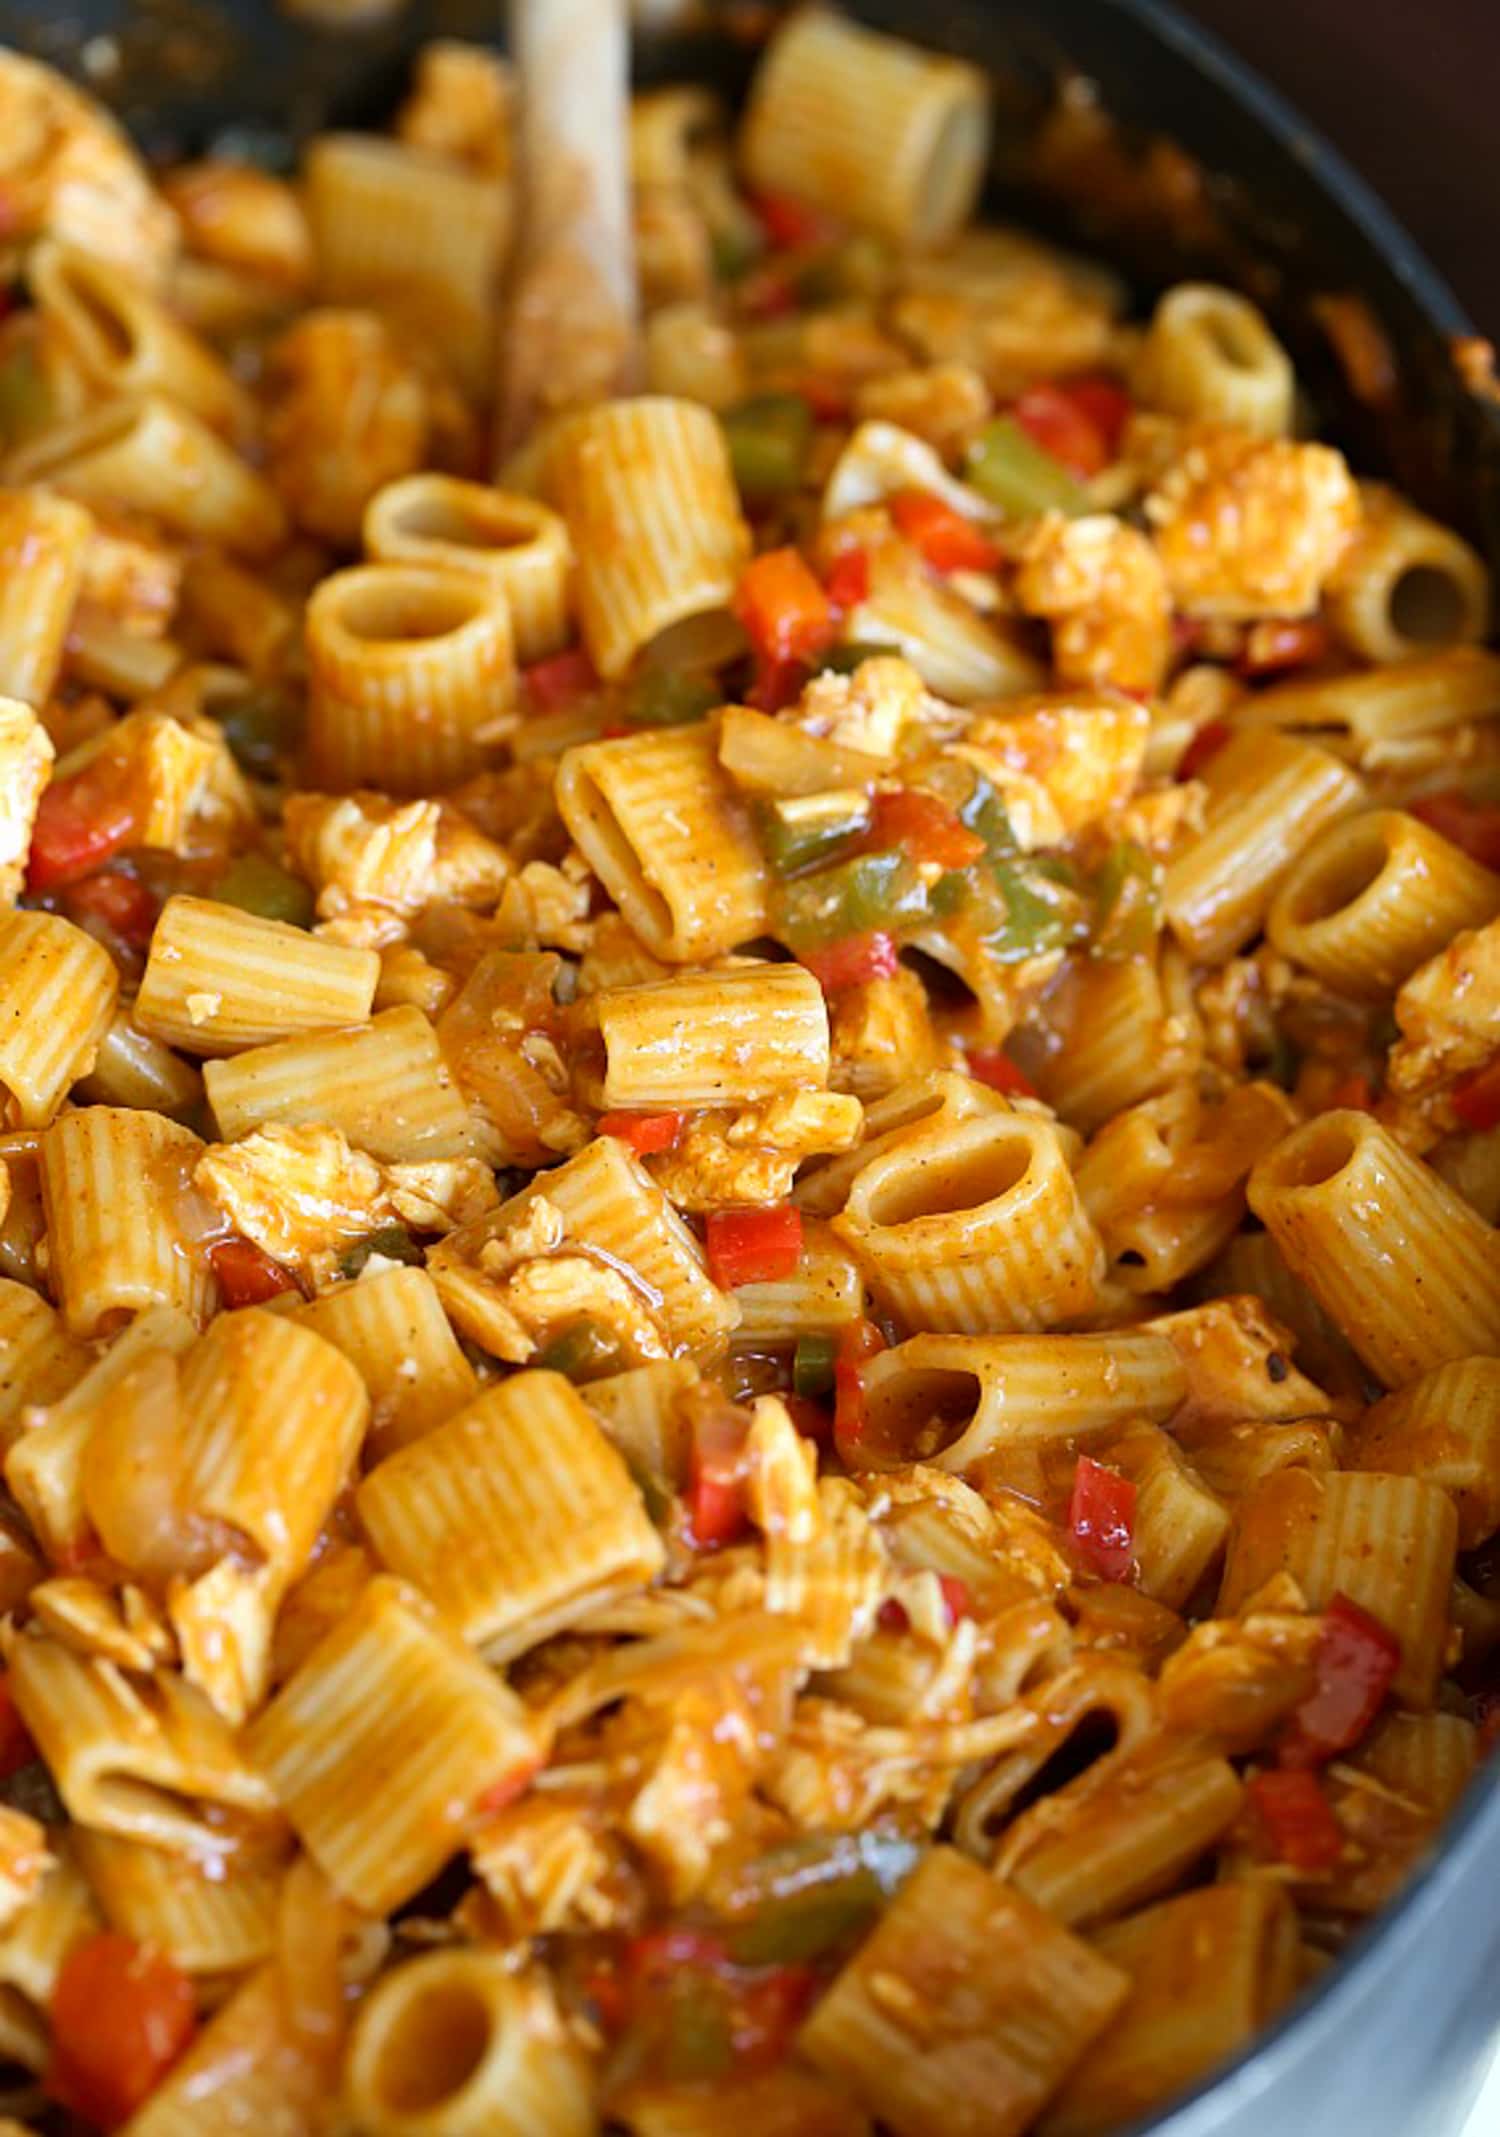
(1410, 91)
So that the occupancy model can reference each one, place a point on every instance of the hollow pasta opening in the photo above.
(434, 2041)
(1345, 868)
(1427, 606)
(435, 515)
(1231, 338)
(1316, 1155)
(948, 1182)
(393, 611)
(948, 181)
(116, 342)
(916, 1415)
(70, 443)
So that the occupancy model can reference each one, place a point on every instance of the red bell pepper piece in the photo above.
(557, 682)
(1297, 1819)
(852, 960)
(1055, 418)
(992, 1065)
(121, 904)
(812, 1419)
(754, 1246)
(828, 398)
(16, 1748)
(1101, 1519)
(857, 1344)
(892, 1616)
(1474, 826)
(246, 1274)
(1356, 1660)
(1354, 1091)
(1280, 643)
(1476, 1098)
(79, 823)
(1105, 402)
(122, 2014)
(947, 540)
(923, 827)
(847, 579)
(507, 1790)
(1205, 746)
(789, 223)
(776, 683)
(784, 609)
(717, 1511)
(646, 1133)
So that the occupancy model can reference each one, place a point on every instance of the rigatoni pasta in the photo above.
(748, 1306)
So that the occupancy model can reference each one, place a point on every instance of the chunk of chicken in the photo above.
(1083, 748)
(882, 1035)
(944, 404)
(1249, 527)
(26, 755)
(67, 171)
(749, 1157)
(871, 710)
(1102, 587)
(348, 414)
(362, 850)
(182, 788)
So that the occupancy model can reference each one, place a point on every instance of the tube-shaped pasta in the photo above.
(1387, 1542)
(640, 1414)
(516, 544)
(1267, 796)
(234, 615)
(648, 495)
(132, 1069)
(1123, 1036)
(411, 671)
(126, 342)
(1180, 1522)
(26, 759)
(44, 545)
(1373, 897)
(1033, 1997)
(960, 654)
(1208, 1970)
(58, 989)
(953, 1400)
(154, 457)
(257, 2066)
(220, 980)
(1357, 714)
(393, 1329)
(868, 126)
(1123, 1832)
(1444, 1427)
(215, 1924)
(709, 1039)
(123, 664)
(1406, 586)
(976, 1230)
(938, 1100)
(1210, 357)
(404, 229)
(150, 1761)
(1415, 1288)
(39, 1360)
(390, 1690)
(494, 2055)
(517, 1516)
(384, 1084)
(659, 824)
(116, 1190)
(613, 1211)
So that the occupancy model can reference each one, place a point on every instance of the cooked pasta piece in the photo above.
(976, 1229)
(391, 1326)
(220, 980)
(1419, 1290)
(44, 543)
(648, 495)
(215, 1924)
(1386, 1542)
(1407, 585)
(412, 672)
(39, 1360)
(866, 126)
(1267, 796)
(713, 1038)
(58, 989)
(496, 2056)
(1374, 896)
(385, 1084)
(116, 1189)
(1445, 1428)
(516, 544)
(391, 1690)
(662, 830)
(966, 1992)
(1209, 356)
(516, 1516)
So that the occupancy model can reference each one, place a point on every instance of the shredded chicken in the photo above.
(750, 1157)
(1249, 527)
(1102, 587)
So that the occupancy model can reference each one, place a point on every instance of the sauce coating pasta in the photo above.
(749, 1303)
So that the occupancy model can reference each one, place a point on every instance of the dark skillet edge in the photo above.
(260, 65)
